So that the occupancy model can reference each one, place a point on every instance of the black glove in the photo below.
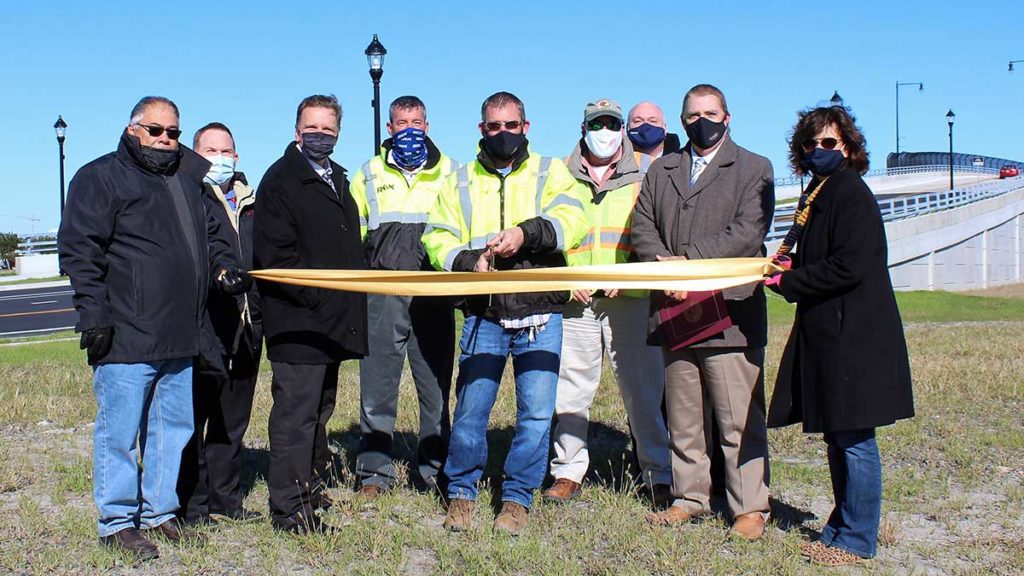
(234, 282)
(96, 342)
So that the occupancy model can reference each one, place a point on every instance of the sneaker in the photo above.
(460, 515)
(133, 543)
(512, 519)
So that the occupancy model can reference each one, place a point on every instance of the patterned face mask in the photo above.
(409, 148)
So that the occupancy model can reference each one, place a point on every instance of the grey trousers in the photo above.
(422, 328)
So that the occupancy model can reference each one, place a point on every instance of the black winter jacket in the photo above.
(236, 321)
(123, 243)
(300, 222)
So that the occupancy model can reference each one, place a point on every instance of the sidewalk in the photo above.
(16, 282)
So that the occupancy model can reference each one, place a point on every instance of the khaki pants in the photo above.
(731, 381)
(617, 326)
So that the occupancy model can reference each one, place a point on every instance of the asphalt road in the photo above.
(38, 310)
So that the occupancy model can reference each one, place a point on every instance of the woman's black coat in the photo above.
(845, 366)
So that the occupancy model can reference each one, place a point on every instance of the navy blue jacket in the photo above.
(124, 247)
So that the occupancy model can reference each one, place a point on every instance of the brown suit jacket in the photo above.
(726, 214)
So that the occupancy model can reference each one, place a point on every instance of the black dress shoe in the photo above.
(240, 515)
(299, 524)
(200, 521)
(175, 532)
(321, 501)
(132, 542)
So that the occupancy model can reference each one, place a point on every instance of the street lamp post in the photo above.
(920, 88)
(60, 126)
(949, 119)
(375, 59)
(1012, 62)
(836, 99)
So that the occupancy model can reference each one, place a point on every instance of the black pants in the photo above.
(210, 466)
(423, 328)
(304, 397)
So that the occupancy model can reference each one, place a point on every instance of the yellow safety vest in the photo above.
(609, 239)
(477, 204)
(383, 195)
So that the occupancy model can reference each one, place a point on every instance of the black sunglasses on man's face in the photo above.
(156, 131)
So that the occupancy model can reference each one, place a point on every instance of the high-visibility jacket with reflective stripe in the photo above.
(539, 196)
(608, 239)
(477, 204)
(393, 211)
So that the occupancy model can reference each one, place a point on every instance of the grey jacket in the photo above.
(725, 215)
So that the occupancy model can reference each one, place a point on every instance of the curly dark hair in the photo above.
(812, 121)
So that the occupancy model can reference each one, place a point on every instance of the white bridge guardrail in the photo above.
(900, 171)
(915, 205)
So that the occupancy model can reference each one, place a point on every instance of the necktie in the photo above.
(696, 168)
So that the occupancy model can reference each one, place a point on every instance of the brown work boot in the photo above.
(460, 515)
(175, 532)
(133, 543)
(370, 491)
(511, 519)
(671, 516)
(562, 491)
(661, 495)
(822, 555)
(749, 526)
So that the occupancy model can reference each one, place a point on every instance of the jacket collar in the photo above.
(299, 165)
(485, 160)
(627, 171)
(189, 163)
(827, 194)
(678, 166)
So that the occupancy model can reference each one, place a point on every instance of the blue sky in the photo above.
(248, 64)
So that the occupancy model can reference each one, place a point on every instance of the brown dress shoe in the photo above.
(175, 532)
(661, 495)
(749, 526)
(370, 491)
(460, 515)
(133, 543)
(670, 516)
(562, 491)
(511, 519)
(822, 555)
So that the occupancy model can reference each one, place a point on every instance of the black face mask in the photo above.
(156, 160)
(504, 145)
(318, 145)
(822, 162)
(705, 133)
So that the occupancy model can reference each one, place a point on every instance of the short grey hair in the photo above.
(500, 100)
(407, 103)
(319, 101)
(140, 109)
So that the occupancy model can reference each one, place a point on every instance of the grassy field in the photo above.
(954, 479)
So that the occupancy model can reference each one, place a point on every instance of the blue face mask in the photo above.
(822, 162)
(409, 148)
(646, 136)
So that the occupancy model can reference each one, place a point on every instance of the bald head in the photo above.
(646, 113)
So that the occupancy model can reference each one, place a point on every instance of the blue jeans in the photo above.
(485, 347)
(856, 470)
(142, 408)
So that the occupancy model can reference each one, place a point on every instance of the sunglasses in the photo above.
(155, 131)
(497, 125)
(826, 143)
(613, 124)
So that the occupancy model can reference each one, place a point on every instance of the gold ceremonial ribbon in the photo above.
(681, 275)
